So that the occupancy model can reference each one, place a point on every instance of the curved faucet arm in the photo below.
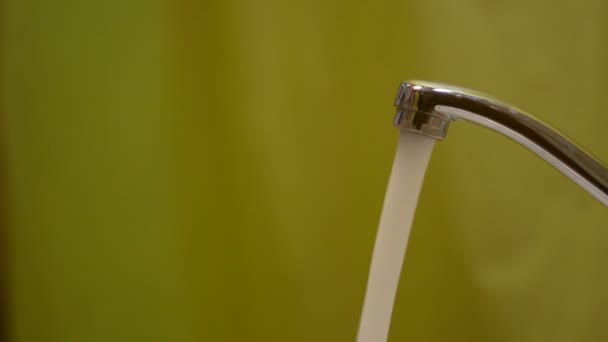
(428, 108)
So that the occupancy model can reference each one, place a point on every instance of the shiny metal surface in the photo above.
(429, 108)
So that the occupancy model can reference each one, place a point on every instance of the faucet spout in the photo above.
(429, 108)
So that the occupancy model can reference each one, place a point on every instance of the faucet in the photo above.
(429, 108)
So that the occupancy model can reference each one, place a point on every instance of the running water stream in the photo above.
(411, 160)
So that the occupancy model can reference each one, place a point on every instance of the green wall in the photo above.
(214, 171)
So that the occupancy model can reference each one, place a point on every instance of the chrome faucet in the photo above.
(429, 108)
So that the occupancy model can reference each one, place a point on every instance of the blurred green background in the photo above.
(214, 170)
